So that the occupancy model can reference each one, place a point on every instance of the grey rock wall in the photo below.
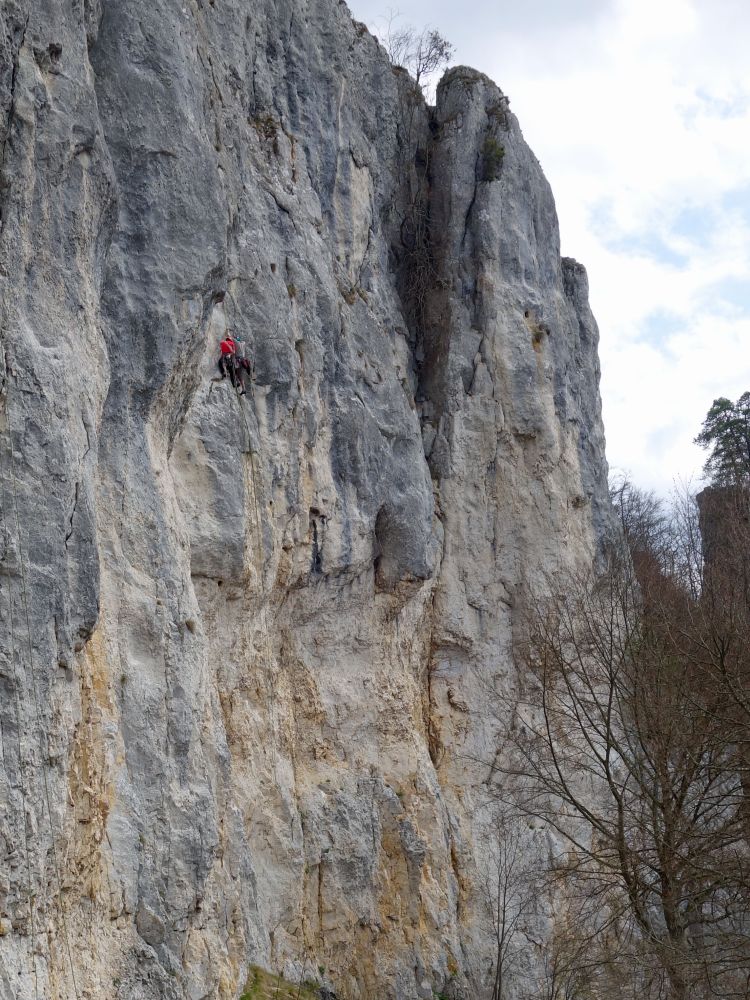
(242, 720)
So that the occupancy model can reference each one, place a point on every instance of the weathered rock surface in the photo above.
(251, 644)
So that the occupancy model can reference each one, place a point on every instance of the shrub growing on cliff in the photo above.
(493, 154)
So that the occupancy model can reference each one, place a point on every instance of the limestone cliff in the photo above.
(247, 643)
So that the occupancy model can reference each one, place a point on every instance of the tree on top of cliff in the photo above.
(726, 431)
(422, 53)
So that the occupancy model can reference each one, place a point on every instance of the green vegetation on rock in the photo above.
(262, 985)
(493, 154)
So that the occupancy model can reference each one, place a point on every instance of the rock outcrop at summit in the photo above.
(251, 643)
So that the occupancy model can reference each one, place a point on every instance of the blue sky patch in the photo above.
(737, 203)
(722, 107)
(635, 244)
(658, 326)
(695, 223)
(661, 439)
(731, 292)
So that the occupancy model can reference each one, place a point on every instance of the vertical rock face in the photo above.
(250, 641)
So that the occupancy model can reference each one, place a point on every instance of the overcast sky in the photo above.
(639, 111)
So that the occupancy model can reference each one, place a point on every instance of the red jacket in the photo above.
(228, 346)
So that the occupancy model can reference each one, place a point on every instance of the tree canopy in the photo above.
(726, 432)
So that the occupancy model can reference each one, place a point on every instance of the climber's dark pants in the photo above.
(244, 370)
(228, 366)
(235, 368)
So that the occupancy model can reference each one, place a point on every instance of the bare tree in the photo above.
(619, 746)
(643, 517)
(660, 534)
(509, 889)
(704, 561)
(686, 563)
(568, 970)
(421, 53)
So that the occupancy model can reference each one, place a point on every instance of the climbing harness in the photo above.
(42, 732)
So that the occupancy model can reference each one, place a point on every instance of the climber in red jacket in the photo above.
(229, 365)
(228, 349)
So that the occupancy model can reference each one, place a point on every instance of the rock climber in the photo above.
(243, 362)
(229, 363)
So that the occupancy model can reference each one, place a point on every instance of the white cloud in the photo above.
(640, 115)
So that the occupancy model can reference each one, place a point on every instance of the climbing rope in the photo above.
(18, 713)
(43, 735)
(271, 687)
